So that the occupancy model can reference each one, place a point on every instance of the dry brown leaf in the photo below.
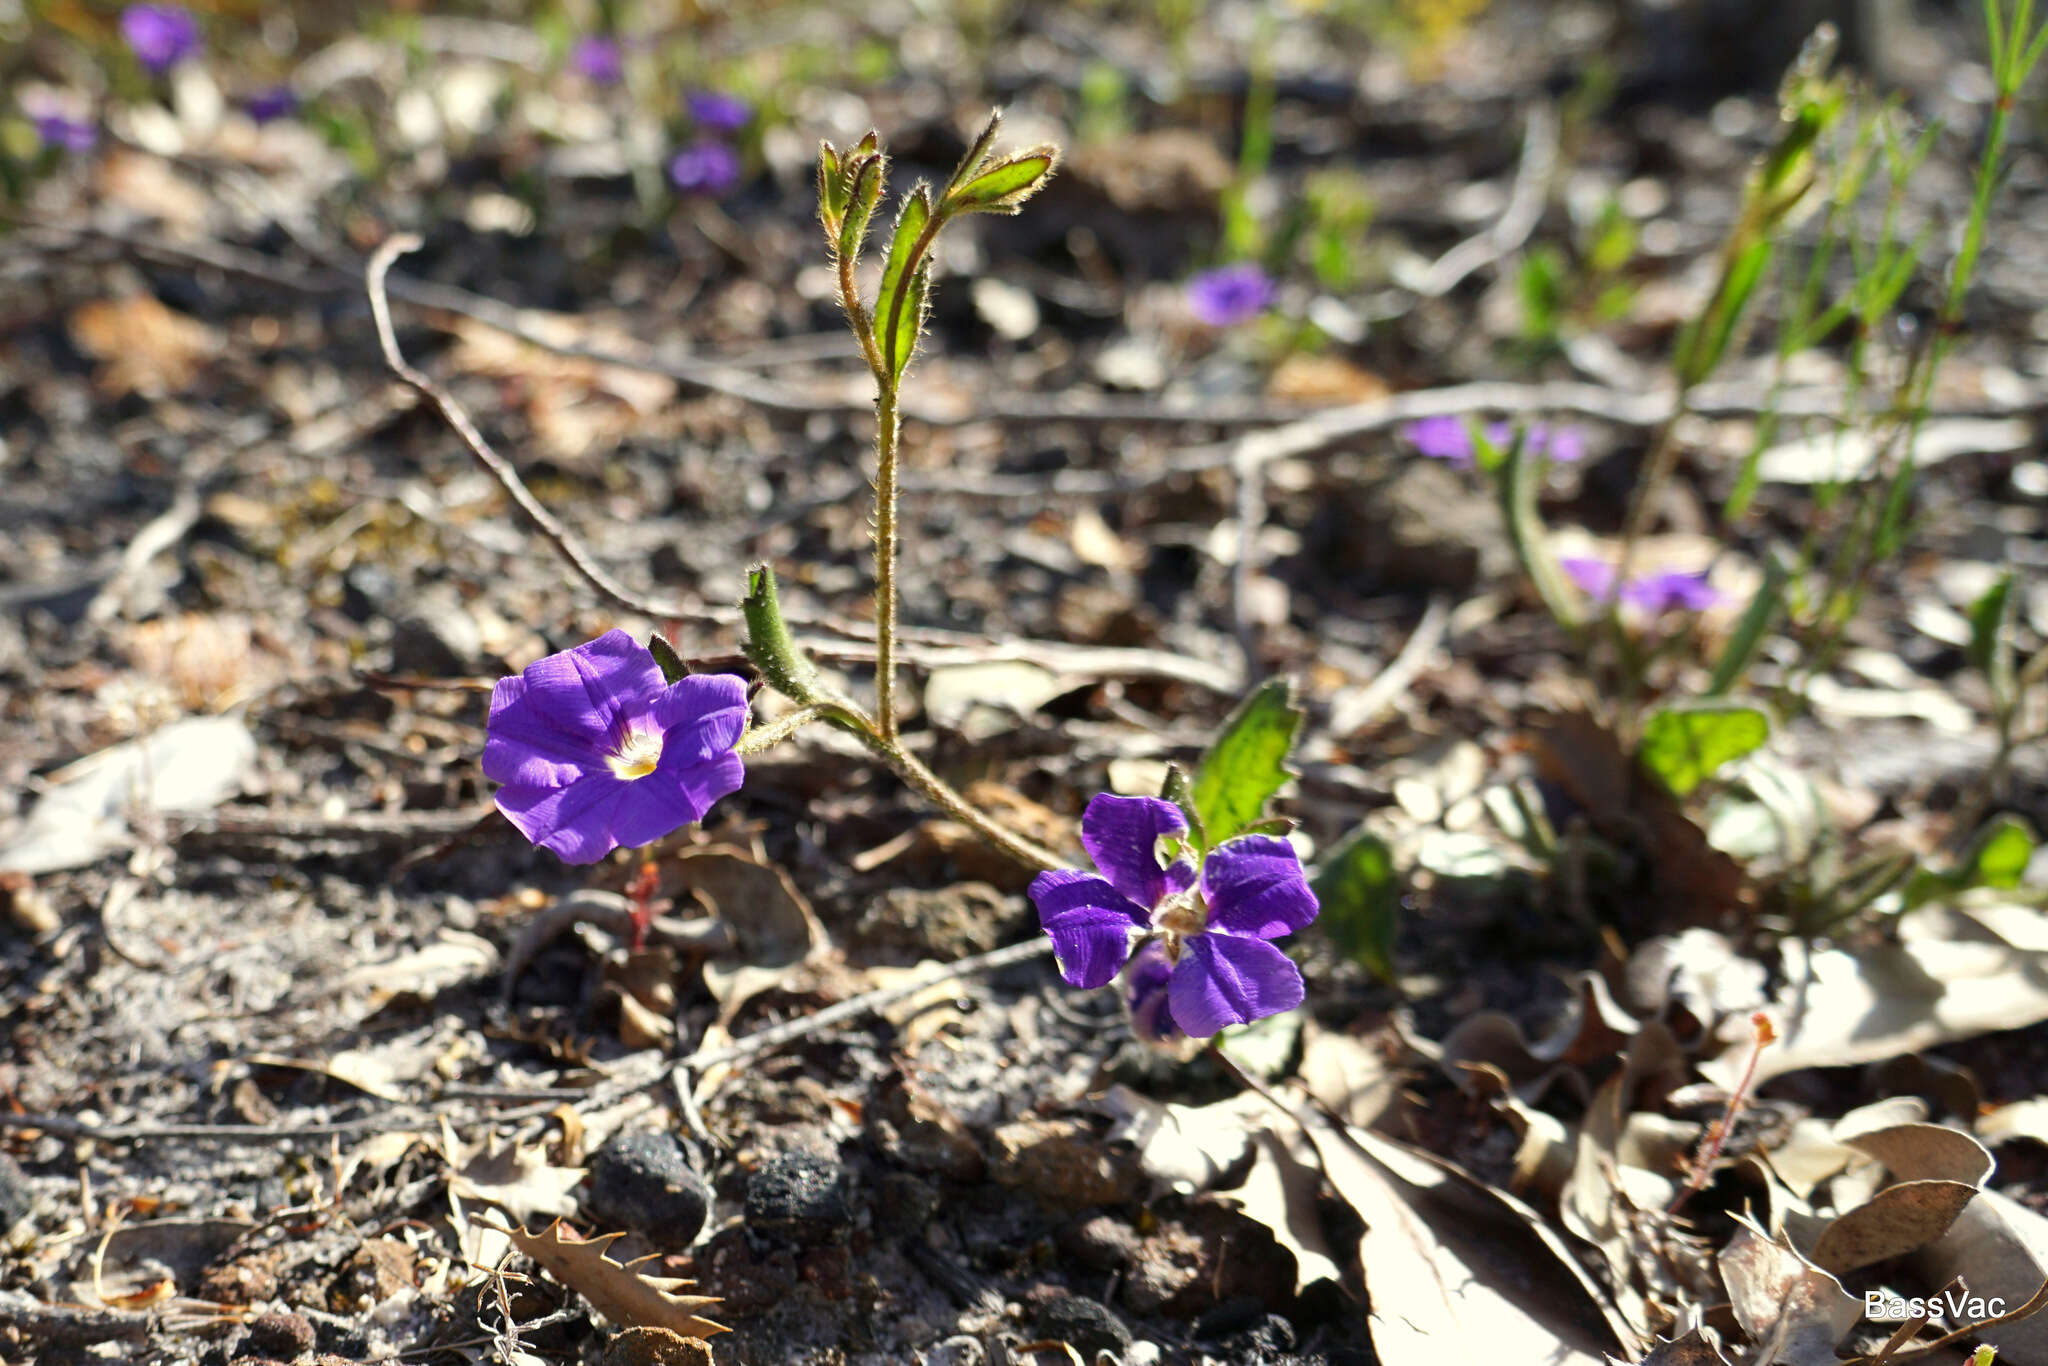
(145, 347)
(629, 1298)
(1280, 1192)
(1355, 1078)
(1688, 1349)
(1792, 1310)
(518, 1180)
(1685, 881)
(1943, 976)
(1999, 1248)
(1307, 378)
(1187, 1148)
(577, 407)
(1456, 1269)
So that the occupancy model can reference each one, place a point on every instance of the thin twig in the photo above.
(1517, 221)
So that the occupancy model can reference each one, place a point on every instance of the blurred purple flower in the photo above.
(1665, 591)
(1595, 578)
(1230, 295)
(708, 168)
(160, 36)
(267, 106)
(598, 59)
(716, 110)
(1209, 926)
(1672, 591)
(64, 132)
(595, 750)
(1447, 438)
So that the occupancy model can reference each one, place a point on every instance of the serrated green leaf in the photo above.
(670, 663)
(1247, 764)
(1006, 185)
(1361, 902)
(895, 319)
(1178, 790)
(1685, 746)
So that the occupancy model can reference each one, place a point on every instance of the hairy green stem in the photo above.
(888, 426)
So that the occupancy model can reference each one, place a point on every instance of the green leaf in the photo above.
(1748, 636)
(2002, 851)
(1004, 187)
(864, 187)
(769, 644)
(831, 188)
(673, 670)
(896, 319)
(1997, 857)
(1685, 746)
(1361, 901)
(1181, 793)
(972, 160)
(1248, 762)
(1990, 643)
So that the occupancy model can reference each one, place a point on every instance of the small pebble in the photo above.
(1084, 1324)
(904, 1204)
(801, 1197)
(286, 1337)
(642, 1180)
(655, 1347)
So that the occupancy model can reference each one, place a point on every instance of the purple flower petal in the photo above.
(573, 822)
(159, 35)
(598, 59)
(1090, 923)
(673, 796)
(702, 716)
(1672, 591)
(708, 168)
(1230, 295)
(1567, 445)
(65, 133)
(1225, 979)
(1145, 994)
(714, 109)
(1254, 886)
(1122, 835)
(267, 106)
(1595, 578)
(1441, 438)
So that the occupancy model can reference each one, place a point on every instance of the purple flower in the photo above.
(1446, 437)
(596, 751)
(1230, 295)
(1655, 594)
(1672, 591)
(1210, 926)
(598, 59)
(1595, 578)
(1146, 984)
(717, 110)
(160, 35)
(65, 133)
(709, 168)
(266, 106)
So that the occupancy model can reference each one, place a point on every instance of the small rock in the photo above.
(910, 1128)
(436, 635)
(1084, 1324)
(1063, 1164)
(1143, 1354)
(381, 1268)
(642, 1180)
(17, 1197)
(284, 1336)
(801, 1197)
(904, 1204)
(25, 905)
(245, 1280)
(656, 1347)
(746, 1281)
(1207, 1255)
(1102, 1242)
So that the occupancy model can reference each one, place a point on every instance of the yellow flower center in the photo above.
(1182, 913)
(636, 755)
